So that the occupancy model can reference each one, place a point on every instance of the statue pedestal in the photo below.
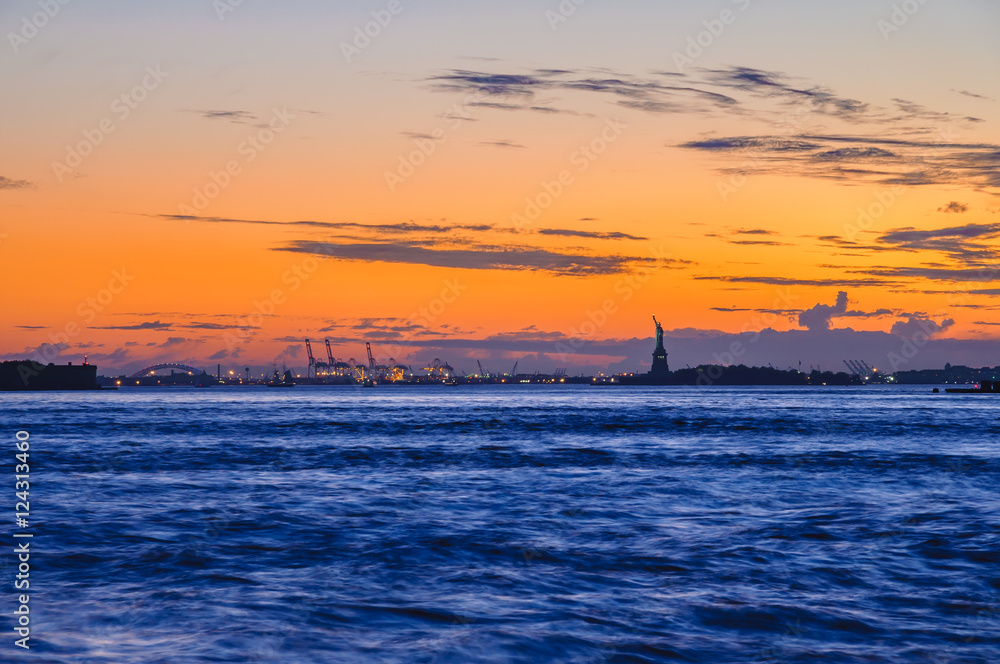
(660, 368)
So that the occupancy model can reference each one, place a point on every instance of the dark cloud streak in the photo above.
(480, 258)
(153, 325)
(8, 183)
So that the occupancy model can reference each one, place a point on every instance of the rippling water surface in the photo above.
(510, 524)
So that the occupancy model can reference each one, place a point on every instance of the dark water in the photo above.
(509, 524)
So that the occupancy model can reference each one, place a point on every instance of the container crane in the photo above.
(312, 360)
(439, 369)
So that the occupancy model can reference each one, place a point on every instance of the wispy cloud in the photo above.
(737, 90)
(966, 244)
(437, 244)
(774, 85)
(974, 95)
(502, 106)
(154, 325)
(238, 117)
(502, 144)
(761, 243)
(479, 258)
(8, 183)
(517, 91)
(614, 235)
(205, 326)
(967, 275)
(878, 313)
(874, 160)
(787, 313)
(969, 253)
(792, 281)
(906, 151)
(954, 208)
(749, 237)
(400, 227)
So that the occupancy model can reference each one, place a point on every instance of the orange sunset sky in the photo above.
(493, 180)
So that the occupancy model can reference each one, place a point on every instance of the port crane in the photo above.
(329, 354)
(442, 369)
(312, 360)
(371, 358)
(859, 367)
(357, 369)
